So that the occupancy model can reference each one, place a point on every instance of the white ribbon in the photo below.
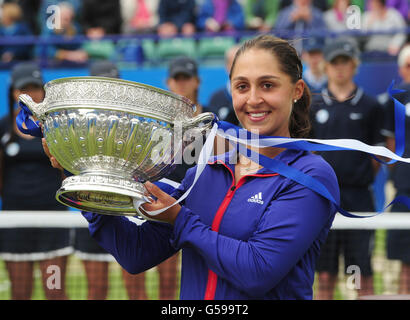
(207, 150)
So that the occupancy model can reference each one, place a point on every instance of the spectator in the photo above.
(47, 12)
(30, 9)
(101, 17)
(139, 16)
(343, 110)
(220, 15)
(335, 18)
(315, 75)
(28, 183)
(260, 15)
(11, 25)
(398, 241)
(381, 18)
(176, 16)
(69, 51)
(220, 102)
(299, 17)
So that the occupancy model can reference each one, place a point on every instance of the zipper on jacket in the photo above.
(212, 277)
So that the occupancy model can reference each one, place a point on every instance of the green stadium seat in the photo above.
(149, 49)
(99, 49)
(214, 47)
(170, 48)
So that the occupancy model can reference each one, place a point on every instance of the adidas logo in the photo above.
(257, 198)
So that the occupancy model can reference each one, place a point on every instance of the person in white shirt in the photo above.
(381, 18)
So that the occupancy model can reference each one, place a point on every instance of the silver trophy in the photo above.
(113, 135)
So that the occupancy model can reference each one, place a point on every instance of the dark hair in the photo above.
(12, 136)
(290, 63)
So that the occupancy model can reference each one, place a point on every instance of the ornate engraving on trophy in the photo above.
(112, 135)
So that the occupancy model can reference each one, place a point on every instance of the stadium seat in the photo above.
(170, 48)
(214, 47)
(149, 49)
(99, 49)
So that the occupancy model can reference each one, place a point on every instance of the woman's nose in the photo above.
(254, 98)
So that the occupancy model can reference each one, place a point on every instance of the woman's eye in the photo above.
(267, 85)
(241, 86)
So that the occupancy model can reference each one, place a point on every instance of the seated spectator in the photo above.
(30, 9)
(11, 25)
(301, 16)
(47, 9)
(70, 51)
(101, 17)
(381, 18)
(139, 16)
(315, 75)
(260, 15)
(176, 16)
(335, 18)
(220, 102)
(220, 15)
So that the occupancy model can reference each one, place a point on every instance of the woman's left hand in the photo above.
(163, 200)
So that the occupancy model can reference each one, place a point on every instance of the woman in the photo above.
(29, 183)
(235, 245)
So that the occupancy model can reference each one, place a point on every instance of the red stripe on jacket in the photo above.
(212, 277)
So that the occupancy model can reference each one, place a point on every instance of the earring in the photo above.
(294, 101)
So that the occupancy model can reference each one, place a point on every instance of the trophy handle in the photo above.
(35, 108)
(203, 122)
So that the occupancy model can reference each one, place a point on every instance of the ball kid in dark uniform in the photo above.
(28, 183)
(398, 241)
(343, 110)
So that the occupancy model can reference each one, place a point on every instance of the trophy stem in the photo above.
(102, 193)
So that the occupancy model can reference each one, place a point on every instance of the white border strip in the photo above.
(73, 219)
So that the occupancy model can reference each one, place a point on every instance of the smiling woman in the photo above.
(279, 95)
(244, 234)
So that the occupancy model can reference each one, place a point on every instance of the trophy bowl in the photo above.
(113, 135)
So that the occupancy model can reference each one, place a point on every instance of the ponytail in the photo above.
(299, 124)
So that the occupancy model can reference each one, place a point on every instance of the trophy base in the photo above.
(104, 194)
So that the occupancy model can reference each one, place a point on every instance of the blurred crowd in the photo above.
(169, 18)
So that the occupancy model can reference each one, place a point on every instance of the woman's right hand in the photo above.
(53, 160)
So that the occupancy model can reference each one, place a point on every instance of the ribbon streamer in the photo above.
(221, 128)
(25, 116)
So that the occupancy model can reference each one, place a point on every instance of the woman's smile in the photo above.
(257, 116)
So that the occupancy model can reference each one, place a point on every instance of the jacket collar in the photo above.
(329, 98)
